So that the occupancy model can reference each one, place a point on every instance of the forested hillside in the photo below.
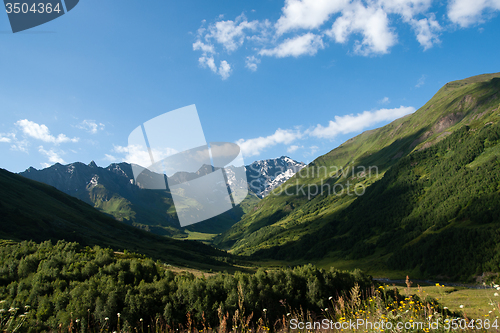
(427, 197)
(67, 285)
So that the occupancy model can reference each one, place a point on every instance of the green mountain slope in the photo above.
(30, 210)
(413, 187)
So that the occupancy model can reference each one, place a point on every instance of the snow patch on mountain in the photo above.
(265, 175)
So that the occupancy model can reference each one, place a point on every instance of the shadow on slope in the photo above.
(34, 211)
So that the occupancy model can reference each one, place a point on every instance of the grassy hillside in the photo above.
(31, 210)
(388, 192)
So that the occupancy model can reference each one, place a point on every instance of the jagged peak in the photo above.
(30, 169)
(92, 164)
(281, 158)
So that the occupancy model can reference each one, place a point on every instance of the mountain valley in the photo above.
(395, 199)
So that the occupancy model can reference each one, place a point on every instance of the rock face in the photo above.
(114, 191)
(264, 176)
(77, 179)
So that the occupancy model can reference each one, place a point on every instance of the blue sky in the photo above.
(294, 77)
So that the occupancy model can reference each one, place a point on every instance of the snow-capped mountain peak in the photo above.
(265, 175)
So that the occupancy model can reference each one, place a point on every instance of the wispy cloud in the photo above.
(340, 125)
(230, 34)
(7, 137)
(385, 100)
(31, 130)
(293, 149)
(307, 44)
(313, 150)
(90, 126)
(252, 62)
(355, 123)
(466, 12)
(20, 145)
(15, 143)
(139, 155)
(255, 146)
(110, 158)
(420, 81)
(224, 69)
(52, 155)
(41, 132)
(227, 33)
(205, 48)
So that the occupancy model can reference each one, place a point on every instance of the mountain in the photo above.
(32, 210)
(265, 175)
(418, 196)
(113, 191)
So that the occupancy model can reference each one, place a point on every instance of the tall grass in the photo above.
(377, 309)
(12, 320)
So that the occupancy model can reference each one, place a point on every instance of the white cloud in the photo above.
(208, 62)
(308, 43)
(206, 48)
(224, 69)
(370, 25)
(7, 137)
(371, 22)
(263, 34)
(90, 126)
(384, 100)
(15, 143)
(314, 149)
(427, 31)
(407, 9)
(420, 81)
(231, 34)
(41, 132)
(52, 156)
(251, 63)
(468, 12)
(20, 145)
(355, 123)
(341, 125)
(139, 155)
(293, 149)
(110, 158)
(254, 146)
(307, 14)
